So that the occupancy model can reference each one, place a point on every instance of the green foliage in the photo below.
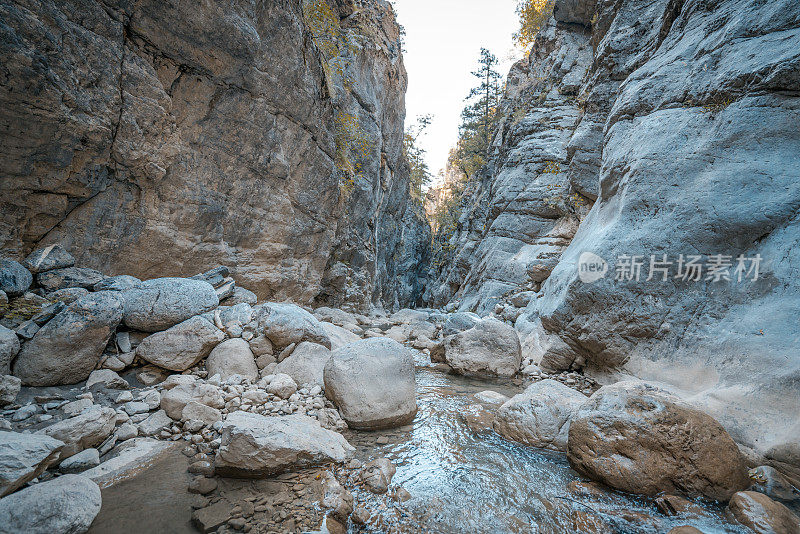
(532, 16)
(353, 146)
(420, 175)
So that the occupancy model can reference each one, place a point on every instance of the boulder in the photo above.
(69, 277)
(9, 389)
(64, 505)
(194, 411)
(490, 347)
(638, 438)
(24, 457)
(9, 348)
(158, 304)
(14, 278)
(106, 378)
(257, 446)
(306, 364)
(232, 357)
(282, 385)
(491, 397)
(48, 258)
(407, 315)
(285, 324)
(336, 499)
(175, 399)
(69, 346)
(241, 296)
(261, 346)
(155, 423)
(377, 475)
(86, 459)
(769, 481)
(68, 295)
(373, 384)
(338, 335)
(762, 515)
(181, 346)
(83, 431)
(539, 416)
(117, 283)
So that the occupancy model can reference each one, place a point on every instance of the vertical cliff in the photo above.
(157, 139)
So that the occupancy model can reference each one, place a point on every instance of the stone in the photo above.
(639, 438)
(69, 277)
(86, 459)
(490, 347)
(181, 346)
(10, 387)
(241, 296)
(406, 316)
(66, 504)
(285, 324)
(232, 357)
(68, 295)
(27, 330)
(24, 457)
(24, 412)
(685, 529)
(306, 364)
(69, 347)
(338, 335)
(200, 412)
(202, 485)
(210, 518)
(161, 303)
(769, 481)
(282, 385)
(459, 322)
(491, 397)
(14, 278)
(261, 346)
(75, 407)
(540, 416)
(478, 418)
(135, 407)
(48, 258)
(761, 514)
(83, 431)
(672, 505)
(257, 446)
(154, 423)
(126, 431)
(117, 283)
(377, 475)
(373, 383)
(175, 399)
(336, 499)
(47, 313)
(127, 459)
(106, 378)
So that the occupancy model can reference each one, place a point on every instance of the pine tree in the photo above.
(420, 175)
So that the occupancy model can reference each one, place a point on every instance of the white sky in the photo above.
(443, 41)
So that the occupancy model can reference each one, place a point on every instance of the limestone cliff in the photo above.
(159, 139)
(643, 129)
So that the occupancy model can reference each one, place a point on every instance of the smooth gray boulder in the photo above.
(9, 348)
(460, 321)
(181, 346)
(69, 277)
(9, 389)
(69, 346)
(241, 296)
(232, 357)
(176, 398)
(282, 385)
(48, 258)
(285, 324)
(490, 347)
(160, 303)
(86, 459)
(14, 278)
(24, 457)
(257, 446)
(372, 383)
(83, 431)
(117, 283)
(306, 364)
(64, 505)
(339, 336)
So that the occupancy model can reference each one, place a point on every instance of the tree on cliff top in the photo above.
(532, 16)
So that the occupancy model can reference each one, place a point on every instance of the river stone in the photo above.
(158, 304)
(9, 389)
(9, 348)
(88, 429)
(65, 505)
(200, 412)
(339, 336)
(175, 399)
(106, 378)
(762, 515)
(24, 457)
(540, 415)
(638, 438)
(14, 278)
(282, 385)
(257, 446)
(241, 296)
(181, 346)
(232, 357)
(769, 481)
(306, 364)
(460, 321)
(48, 258)
(68, 295)
(372, 383)
(285, 324)
(69, 277)
(69, 346)
(377, 475)
(490, 347)
(86, 459)
(117, 283)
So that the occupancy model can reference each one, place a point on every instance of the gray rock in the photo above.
(69, 347)
(3, 298)
(306, 364)
(194, 411)
(175, 399)
(181, 346)
(9, 348)
(83, 431)
(69, 277)
(285, 324)
(261, 346)
(158, 304)
(282, 385)
(48, 258)
(68, 295)
(126, 431)
(232, 357)
(377, 475)
(490, 347)
(106, 378)
(67, 504)
(127, 459)
(86, 459)
(24, 413)
(241, 296)
(458, 322)
(48, 312)
(27, 330)
(339, 336)
(154, 423)
(372, 382)
(226, 289)
(9, 389)
(75, 407)
(24, 457)
(117, 283)
(14, 278)
(258, 446)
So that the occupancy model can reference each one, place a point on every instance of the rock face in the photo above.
(372, 382)
(68, 347)
(24, 457)
(762, 515)
(489, 347)
(638, 438)
(252, 161)
(67, 504)
(158, 304)
(601, 119)
(258, 446)
(181, 346)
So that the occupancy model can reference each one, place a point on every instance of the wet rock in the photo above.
(672, 505)
(24, 457)
(48, 258)
(638, 438)
(68, 347)
(66, 504)
(86, 459)
(181, 346)
(175, 399)
(769, 481)
(401, 495)
(69, 277)
(83, 431)
(285, 324)
(490, 347)
(478, 418)
(9, 348)
(9, 389)
(360, 516)
(258, 446)
(161, 303)
(232, 357)
(377, 475)
(540, 416)
(106, 378)
(14, 278)
(685, 529)
(117, 283)
(372, 383)
(762, 515)
(282, 385)
(306, 364)
(336, 499)
(491, 397)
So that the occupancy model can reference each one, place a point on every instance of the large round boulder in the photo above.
(639, 438)
(372, 382)
(14, 278)
(762, 515)
(306, 363)
(285, 324)
(182, 346)
(232, 357)
(489, 347)
(67, 349)
(160, 303)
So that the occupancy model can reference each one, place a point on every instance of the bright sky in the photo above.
(443, 42)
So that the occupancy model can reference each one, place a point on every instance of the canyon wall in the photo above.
(637, 130)
(158, 139)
